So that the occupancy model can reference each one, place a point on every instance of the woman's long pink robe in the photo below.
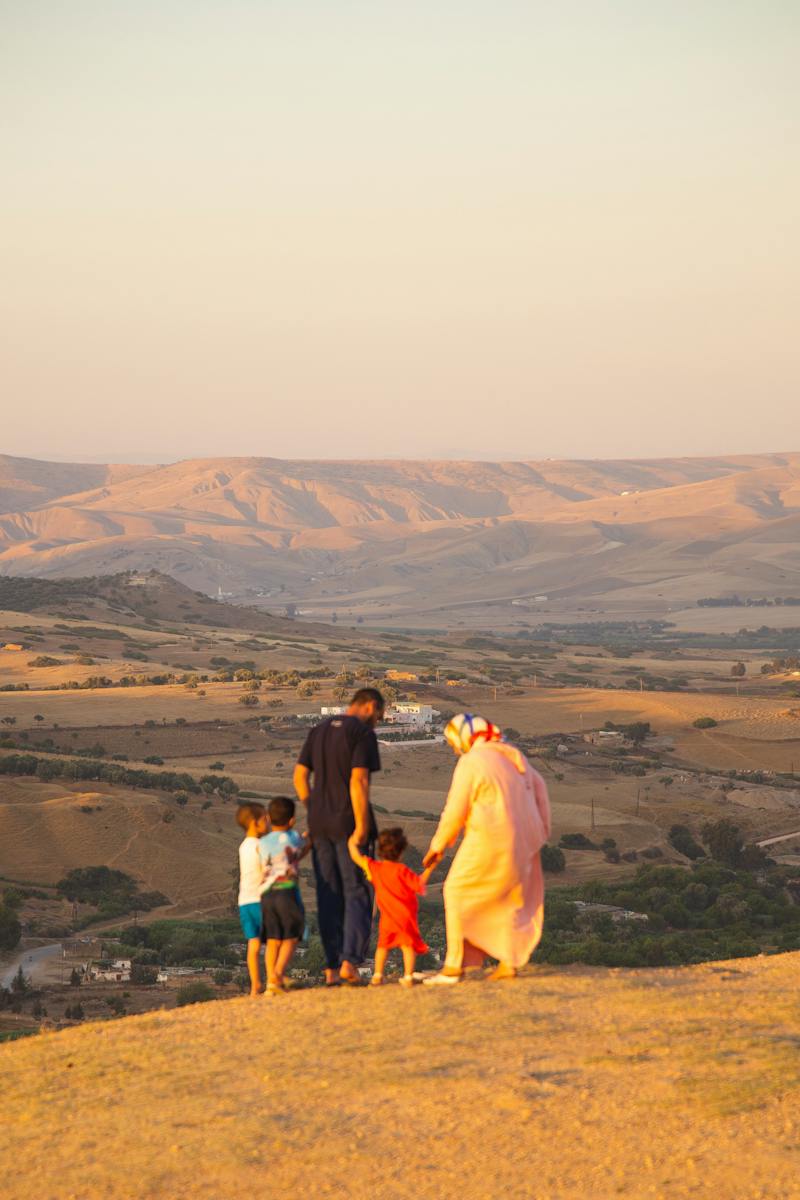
(494, 892)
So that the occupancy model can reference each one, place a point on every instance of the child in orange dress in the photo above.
(396, 890)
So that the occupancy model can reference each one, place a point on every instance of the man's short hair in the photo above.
(247, 813)
(392, 843)
(369, 695)
(281, 810)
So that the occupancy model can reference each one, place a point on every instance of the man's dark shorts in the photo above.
(282, 916)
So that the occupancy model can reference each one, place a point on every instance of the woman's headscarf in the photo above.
(465, 730)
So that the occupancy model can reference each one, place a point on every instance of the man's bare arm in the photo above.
(359, 798)
(301, 785)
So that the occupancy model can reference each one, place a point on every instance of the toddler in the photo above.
(396, 890)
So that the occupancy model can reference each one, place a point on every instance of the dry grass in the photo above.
(564, 1085)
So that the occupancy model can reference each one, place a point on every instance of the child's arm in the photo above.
(306, 848)
(358, 858)
(426, 874)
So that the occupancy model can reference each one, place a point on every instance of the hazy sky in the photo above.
(307, 228)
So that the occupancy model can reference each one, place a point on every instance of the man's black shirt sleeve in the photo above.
(365, 751)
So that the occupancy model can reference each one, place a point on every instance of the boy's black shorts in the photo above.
(282, 916)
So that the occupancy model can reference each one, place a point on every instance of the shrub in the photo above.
(553, 859)
(576, 841)
(704, 723)
(194, 993)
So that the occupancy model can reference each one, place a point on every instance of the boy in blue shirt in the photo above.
(282, 913)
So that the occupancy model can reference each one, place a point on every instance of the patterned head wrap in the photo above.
(465, 730)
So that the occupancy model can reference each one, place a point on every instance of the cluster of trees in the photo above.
(112, 772)
(748, 602)
(786, 662)
(710, 912)
(112, 893)
(637, 732)
(214, 943)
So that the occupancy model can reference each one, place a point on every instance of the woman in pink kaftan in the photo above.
(494, 892)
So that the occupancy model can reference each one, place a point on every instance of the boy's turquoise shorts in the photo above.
(250, 918)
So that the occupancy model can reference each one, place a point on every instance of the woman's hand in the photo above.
(432, 858)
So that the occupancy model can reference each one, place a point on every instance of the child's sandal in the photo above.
(376, 981)
(407, 981)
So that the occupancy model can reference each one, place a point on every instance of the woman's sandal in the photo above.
(442, 980)
(499, 973)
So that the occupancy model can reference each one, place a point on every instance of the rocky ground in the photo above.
(569, 1083)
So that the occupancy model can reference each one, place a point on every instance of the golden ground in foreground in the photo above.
(567, 1083)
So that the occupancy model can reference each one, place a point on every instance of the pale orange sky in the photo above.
(352, 229)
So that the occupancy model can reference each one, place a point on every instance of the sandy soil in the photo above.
(563, 1085)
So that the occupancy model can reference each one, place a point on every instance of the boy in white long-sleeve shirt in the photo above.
(255, 822)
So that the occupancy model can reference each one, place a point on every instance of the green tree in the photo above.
(553, 859)
(20, 983)
(638, 732)
(10, 928)
(724, 840)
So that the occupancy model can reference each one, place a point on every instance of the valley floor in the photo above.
(566, 1084)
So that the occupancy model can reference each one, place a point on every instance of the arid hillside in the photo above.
(562, 1085)
(390, 540)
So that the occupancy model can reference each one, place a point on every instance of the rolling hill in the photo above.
(407, 540)
(567, 1083)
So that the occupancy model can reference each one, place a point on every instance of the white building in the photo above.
(420, 716)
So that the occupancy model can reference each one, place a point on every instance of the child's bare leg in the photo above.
(409, 959)
(273, 946)
(380, 962)
(253, 966)
(285, 952)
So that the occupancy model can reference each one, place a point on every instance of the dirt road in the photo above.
(33, 963)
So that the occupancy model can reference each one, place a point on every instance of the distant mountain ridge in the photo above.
(395, 534)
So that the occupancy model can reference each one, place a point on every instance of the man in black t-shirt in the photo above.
(332, 778)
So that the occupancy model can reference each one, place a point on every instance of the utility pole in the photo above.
(535, 678)
(592, 812)
(641, 685)
(638, 797)
(495, 693)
